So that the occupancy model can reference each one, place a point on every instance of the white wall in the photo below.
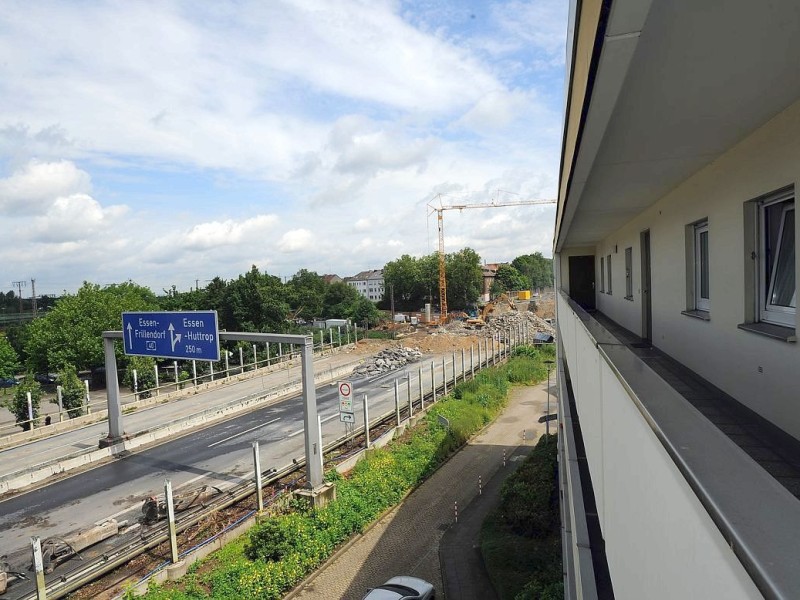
(660, 541)
(720, 352)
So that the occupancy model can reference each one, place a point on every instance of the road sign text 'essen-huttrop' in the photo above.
(192, 335)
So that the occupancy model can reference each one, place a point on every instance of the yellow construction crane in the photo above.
(494, 203)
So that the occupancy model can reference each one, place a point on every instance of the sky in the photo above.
(168, 142)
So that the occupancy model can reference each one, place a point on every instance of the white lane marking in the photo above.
(325, 420)
(243, 432)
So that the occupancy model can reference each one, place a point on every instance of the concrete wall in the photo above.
(729, 357)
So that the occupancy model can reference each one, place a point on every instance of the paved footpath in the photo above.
(420, 537)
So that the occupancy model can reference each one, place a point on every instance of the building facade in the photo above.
(368, 283)
(678, 368)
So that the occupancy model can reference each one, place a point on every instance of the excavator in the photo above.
(501, 300)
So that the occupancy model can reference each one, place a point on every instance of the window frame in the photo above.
(629, 273)
(767, 311)
(700, 302)
(608, 265)
(602, 274)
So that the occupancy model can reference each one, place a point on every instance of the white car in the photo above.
(402, 588)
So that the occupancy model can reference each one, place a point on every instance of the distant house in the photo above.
(368, 283)
(489, 272)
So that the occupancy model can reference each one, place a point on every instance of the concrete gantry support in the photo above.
(116, 433)
(318, 491)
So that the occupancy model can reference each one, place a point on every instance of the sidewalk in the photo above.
(420, 537)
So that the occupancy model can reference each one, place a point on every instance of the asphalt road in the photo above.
(219, 455)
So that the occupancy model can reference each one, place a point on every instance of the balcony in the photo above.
(691, 494)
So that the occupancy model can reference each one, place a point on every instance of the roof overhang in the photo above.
(657, 90)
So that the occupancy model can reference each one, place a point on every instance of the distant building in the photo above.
(489, 272)
(368, 283)
(331, 279)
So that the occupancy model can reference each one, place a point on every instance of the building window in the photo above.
(608, 264)
(777, 291)
(701, 269)
(602, 274)
(629, 273)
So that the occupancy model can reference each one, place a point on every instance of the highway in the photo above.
(219, 455)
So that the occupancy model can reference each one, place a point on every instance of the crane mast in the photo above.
(440, 223)
(442, 279)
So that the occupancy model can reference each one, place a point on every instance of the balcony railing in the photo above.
(684, 512)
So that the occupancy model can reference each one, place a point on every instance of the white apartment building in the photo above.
(676, 277)
(368, 283)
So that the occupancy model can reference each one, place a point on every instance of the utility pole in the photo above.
(19, 285)
(33, 296)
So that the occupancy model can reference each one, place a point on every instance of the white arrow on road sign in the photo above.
(345, 417)
(174, 338)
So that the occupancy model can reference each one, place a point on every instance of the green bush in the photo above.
(73, 392)
(529, 498)
(521, 540)
(19, 403)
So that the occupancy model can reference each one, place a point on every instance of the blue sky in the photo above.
(166, 142)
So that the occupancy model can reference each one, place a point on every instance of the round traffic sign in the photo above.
(344, 389)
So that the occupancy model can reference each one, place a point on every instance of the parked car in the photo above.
(7, 382)
(46, 378)
(402, 588)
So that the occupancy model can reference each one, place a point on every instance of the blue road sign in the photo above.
(178, 335)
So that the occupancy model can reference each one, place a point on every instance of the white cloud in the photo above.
(296, 240)
(214, 234)
(34, 188)
(75, 218)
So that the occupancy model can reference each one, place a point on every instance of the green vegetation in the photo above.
(9, 361)
(521, 540)
(282, 549)
(70, 333)
(73, 392)
(416, 280)
(19, 403)
(536, 269)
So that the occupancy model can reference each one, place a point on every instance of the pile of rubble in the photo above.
(509, 320)
(387, 360)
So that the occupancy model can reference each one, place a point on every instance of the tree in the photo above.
(402, 280)
(254, 302)
(145, 375)
(464, 278)
(19, 404)
(9, 361)
(363, 310)
(71, 333)
(305, 292)
(537, 269)
(73, 392)
(507, 279)
(339, 301)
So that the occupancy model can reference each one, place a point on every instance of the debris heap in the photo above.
(510, 320)
(387, 360)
